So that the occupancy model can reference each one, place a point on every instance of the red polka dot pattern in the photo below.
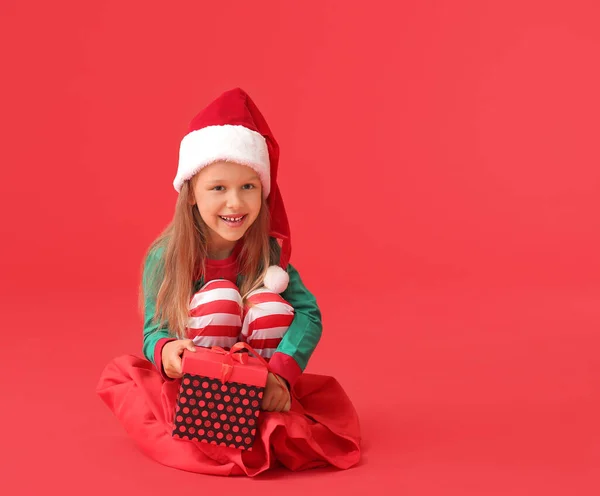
(220, 410)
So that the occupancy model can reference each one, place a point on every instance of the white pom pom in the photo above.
(276, 279)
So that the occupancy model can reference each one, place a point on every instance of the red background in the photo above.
(440, 167)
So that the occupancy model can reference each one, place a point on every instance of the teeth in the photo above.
(232, 219)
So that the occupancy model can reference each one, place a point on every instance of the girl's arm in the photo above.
(155, 336)
(301, 338)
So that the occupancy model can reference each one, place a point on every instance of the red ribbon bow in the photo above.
(231, 355)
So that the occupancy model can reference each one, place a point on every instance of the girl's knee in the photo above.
(215, 314)
(263, 295)
(213, 292)
(267, 317)
(263, 302)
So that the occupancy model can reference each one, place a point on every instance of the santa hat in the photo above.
(232, 128)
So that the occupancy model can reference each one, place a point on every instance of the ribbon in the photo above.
(231, 355)
(227, 365)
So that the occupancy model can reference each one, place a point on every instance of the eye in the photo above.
(250, 186)
(215, 188)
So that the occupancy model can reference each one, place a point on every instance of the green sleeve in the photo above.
(152, 331)
(304, 333)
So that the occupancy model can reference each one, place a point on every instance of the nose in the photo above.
(233, 200)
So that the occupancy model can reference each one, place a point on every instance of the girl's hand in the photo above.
(171, 356)
(276, 397)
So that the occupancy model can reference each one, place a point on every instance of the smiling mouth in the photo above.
(233, 221)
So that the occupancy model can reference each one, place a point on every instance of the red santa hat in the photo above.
(232, 128)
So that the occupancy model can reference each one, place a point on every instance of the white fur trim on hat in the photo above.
(230, 143)
(276, 279)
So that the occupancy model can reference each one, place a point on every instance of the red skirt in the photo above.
(321, 429)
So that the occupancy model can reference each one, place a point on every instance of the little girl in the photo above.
(220, 274)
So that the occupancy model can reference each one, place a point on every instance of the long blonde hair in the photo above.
(184, 252)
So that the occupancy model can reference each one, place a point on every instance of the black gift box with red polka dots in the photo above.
(210, 411)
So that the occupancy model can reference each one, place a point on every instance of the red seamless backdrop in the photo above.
(440, 168)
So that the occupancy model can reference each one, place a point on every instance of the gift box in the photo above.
(220, 396)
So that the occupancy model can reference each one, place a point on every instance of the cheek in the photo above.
(207, 210)
(256, 204)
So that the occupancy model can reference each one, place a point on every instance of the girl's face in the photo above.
(229, 197)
